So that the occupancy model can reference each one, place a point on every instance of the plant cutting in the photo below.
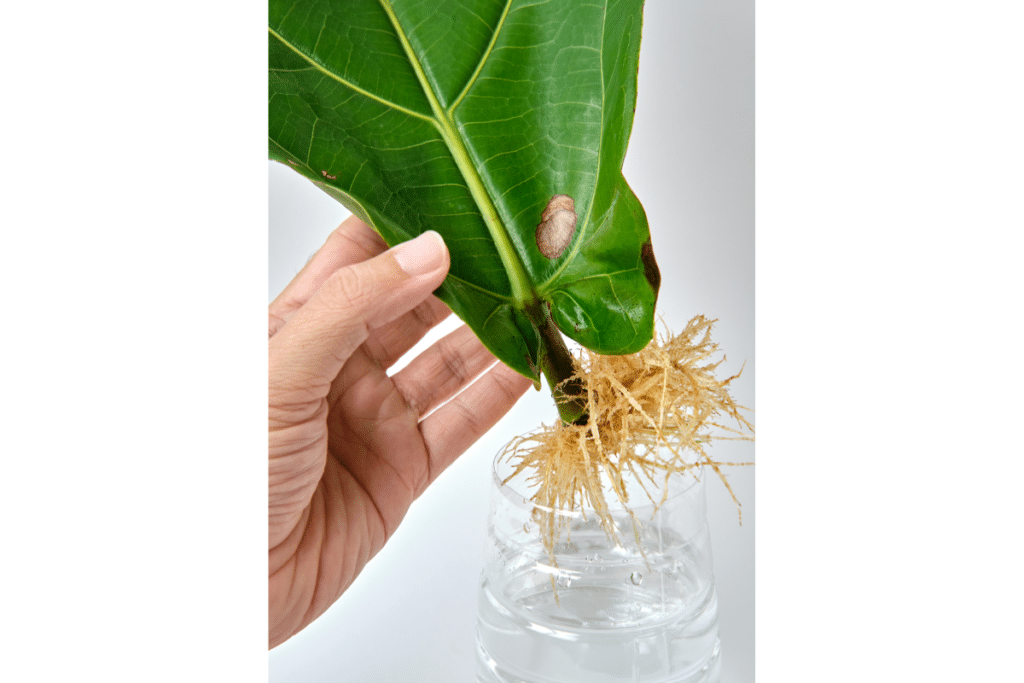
(503, 126)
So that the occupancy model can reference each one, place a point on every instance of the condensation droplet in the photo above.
(636, 578)
(563, 581)
(526, 527)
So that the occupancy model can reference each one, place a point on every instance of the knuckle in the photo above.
(419, 396)
(430, 313)
(424, 315)
(276, 322)
(508, 382)
(349, 287)
(357, 234)
(468, 416)
(454, 364)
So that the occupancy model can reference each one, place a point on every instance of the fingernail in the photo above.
(422, 255)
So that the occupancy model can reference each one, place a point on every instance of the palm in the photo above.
(374, 440)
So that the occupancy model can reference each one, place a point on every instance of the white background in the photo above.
(133, 260)
(410, 617)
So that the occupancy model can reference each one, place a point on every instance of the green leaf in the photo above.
(467, 117)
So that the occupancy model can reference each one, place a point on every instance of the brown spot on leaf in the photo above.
(651, 271)
(557, 226)
(329, 177)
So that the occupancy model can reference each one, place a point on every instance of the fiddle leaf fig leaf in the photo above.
(471, 117)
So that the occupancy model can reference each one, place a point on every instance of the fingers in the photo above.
(442, 370)
(351, 242)
(456, 426)
(308, 351)
(389, 343)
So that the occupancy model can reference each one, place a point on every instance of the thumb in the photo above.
(318, 339)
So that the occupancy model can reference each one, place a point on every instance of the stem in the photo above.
(558, 367)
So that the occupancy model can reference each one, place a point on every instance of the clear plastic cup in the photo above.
(640, 608)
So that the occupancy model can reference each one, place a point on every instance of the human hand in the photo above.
(350, 448)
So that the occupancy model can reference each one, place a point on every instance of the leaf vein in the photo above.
(319, 67)
(483, 58)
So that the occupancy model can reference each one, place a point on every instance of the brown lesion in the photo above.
(651, 272)
(557, 226)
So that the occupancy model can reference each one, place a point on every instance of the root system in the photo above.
(652, 414)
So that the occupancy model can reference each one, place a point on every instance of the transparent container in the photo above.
(642, 609)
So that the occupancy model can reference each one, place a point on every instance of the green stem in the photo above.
(559, 368)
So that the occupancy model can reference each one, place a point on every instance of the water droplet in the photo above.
(636, 578)
(563, 581)
(526, 527)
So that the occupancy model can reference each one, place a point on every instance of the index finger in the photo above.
(351, 242)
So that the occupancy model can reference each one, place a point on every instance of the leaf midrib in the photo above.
(522, 290)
